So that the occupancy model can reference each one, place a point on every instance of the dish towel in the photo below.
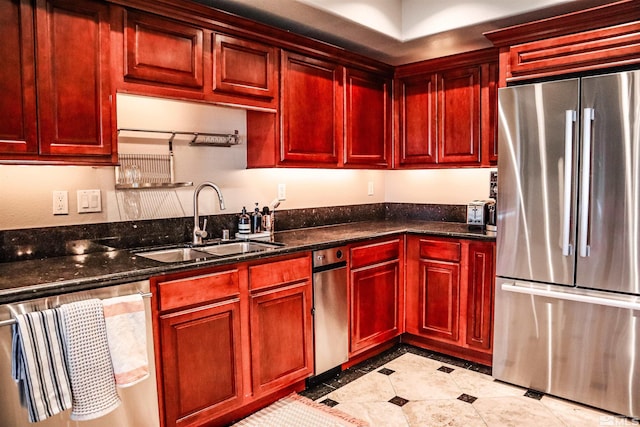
(127, 337)
(93, 388)
(38, 364)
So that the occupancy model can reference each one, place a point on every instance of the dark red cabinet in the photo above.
(376, 293)
(311, 110)
(244, 68)
(57, 98)
(368, 119)
(163, 51)
(450, 296)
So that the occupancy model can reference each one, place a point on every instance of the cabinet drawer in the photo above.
(279, 272)
(440, 249)
(198, 289)
(375, 253)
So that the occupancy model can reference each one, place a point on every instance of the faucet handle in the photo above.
(204, 233)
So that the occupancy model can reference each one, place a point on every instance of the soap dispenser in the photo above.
(256, 220)
(244, 222)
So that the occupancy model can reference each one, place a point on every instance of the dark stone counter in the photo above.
(23, 280)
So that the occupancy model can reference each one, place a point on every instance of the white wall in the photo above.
(26, 199)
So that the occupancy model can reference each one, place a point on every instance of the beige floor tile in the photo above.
(382, 414)
(413, 363)
(424, 385)
(575, 415)
(515, 412)
(481, 385)
(436, 413)
(373, 387)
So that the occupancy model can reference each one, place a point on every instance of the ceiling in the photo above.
(399, 31)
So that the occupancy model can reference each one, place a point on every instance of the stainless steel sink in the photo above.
(219, 250)
(175, 255)
(236, 248)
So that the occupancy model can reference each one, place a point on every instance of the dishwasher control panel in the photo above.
(329, 256)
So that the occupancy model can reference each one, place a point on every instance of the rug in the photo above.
(298, 411)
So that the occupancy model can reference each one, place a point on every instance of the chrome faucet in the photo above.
(200, 233)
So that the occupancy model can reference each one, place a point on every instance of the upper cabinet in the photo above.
(446, 111)
(330, 116)
(56, 83)
(162, 51)
(243, 67)
(593, 39)
(311, 110)
(368, 119)
(183, 58)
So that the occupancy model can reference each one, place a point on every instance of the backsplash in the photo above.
(35, 243)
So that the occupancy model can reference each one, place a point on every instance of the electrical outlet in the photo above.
(282, 191)
(89, 201)
(370, 188)
(61, 202)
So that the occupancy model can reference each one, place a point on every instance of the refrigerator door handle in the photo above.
(631, 303)
(585, 190)
(570, 118)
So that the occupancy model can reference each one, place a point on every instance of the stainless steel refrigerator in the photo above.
(567, 310)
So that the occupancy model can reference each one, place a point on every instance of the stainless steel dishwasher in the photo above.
(330, 309)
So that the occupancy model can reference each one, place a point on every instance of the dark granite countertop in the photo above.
(23, 280)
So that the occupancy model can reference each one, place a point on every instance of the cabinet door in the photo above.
(459, 116)
(489, 113)
(74, 98)
(281, 337)
(243, 67)
(201, 362)
(418, 113)
(480, 295)
(438, 303)
(163, 51)
(375, 302)
(368, 119)
(18, 133)
(311, 111)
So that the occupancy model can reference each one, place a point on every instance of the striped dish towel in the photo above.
(93, 387)
(38, 364)
(127, 336)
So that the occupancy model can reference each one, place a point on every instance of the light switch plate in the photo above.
(89, 201)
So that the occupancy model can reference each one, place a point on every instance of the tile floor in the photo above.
(407, 387)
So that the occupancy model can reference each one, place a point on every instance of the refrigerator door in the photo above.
(609, 226)
(537, 164)
(579, 344)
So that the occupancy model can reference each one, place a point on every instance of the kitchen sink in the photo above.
(175, 255)
(235, 248)
(219, 250)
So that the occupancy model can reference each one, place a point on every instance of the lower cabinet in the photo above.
(202, 363)
(449, 302)
(231, 339)
(376, 293)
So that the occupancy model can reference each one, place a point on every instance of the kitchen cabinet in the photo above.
(281, 323)
(376, 293)
(311, 111)
(592, 39)
(245, 68)
(450, 296)
(197, 324)
(368, 119)
(163, 51)
(56, 82)
(231, 339)
(447, 111)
